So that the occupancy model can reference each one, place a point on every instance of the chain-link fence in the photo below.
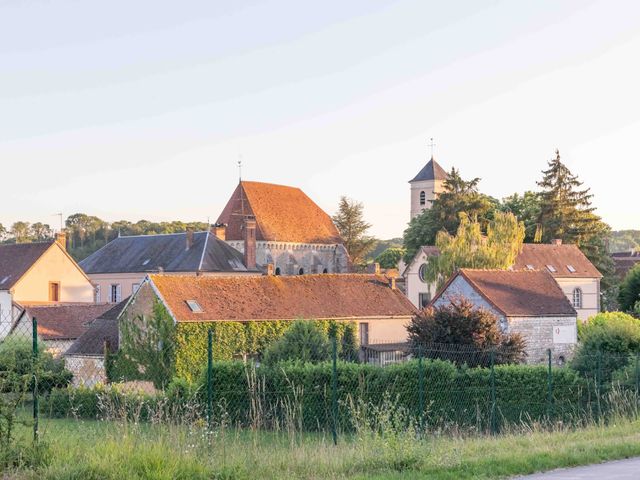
(422, 388)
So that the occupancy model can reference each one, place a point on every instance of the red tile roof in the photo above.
(65, 321)
(560, 257)
(16, 259)
(519, 293)
(283, 214)
(282, 298)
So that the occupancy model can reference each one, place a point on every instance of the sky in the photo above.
(130, 110)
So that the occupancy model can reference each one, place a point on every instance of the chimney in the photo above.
(189, 238)
(270, 270)
(393, 283)
(220, 231)
(373, 268)
(556, 241)
(61, 238)
(250, 243)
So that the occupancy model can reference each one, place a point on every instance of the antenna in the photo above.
(61, 221)
(431, 145)
(240, 167)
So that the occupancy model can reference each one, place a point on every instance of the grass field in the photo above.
(102, 450)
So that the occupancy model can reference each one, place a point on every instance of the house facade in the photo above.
(119, 268)
(530, 303)
(291, 232)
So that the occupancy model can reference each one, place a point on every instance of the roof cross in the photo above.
(431, 145)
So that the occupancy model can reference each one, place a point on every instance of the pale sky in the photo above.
(141, 109)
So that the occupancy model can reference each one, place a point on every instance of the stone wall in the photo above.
(539, 335)
(87, 371)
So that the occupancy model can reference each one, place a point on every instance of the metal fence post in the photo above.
(421, 390)
(210, 380)
(549, 389)
(34, 379)
(637, 370)
(334, 392)
(598, 385)
(492, 419)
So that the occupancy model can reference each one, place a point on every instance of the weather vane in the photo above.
(431, 145)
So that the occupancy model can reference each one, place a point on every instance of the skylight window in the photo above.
(551, 268)
(571, 268)
(194, 306)
(4, 280)
(530, 267)
(146, 261)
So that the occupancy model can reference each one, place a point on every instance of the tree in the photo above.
(458, 196)
(462, 323)
(526, 208)
(390, 257)
(629, 292)
(20, 232)
(304, 341)
(566, 213)
(3, 232)
(353, 229)
(40, 232)
(470, 248)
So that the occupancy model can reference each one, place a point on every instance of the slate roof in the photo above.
(244, 298)
(431, 171)
(560, 257)
(153, 253)
(283, 214)
(517, 293)
(16, 259)
(104, 328)
(625, 261)
(64, 321)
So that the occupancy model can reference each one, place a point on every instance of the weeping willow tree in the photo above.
(470, 248)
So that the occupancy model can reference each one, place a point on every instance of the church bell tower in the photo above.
(426, 186)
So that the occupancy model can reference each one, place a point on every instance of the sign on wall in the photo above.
(565, 334)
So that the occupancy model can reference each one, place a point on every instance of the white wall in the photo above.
(414, 285)
(539, 335)
(590, 294)
(5, 313)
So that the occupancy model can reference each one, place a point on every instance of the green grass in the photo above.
(102, 450)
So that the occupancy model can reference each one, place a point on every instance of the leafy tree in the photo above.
(566, 213)
(382, 245)
(462, 323)
(20, 232)
(629, 292)
(624, 241)
(353, 229)
(40, 232)
(526, 208)
(304, 341)
(3, 232)
(458, 196)
(470, 248)
(390, 257)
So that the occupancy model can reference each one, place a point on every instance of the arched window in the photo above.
(422, 273)
(423, 198)
(301, 271)
(277, 270)
(325, 271)
(577, 298)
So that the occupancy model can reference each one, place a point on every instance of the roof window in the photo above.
(146, 261)
(194, 306)
(571, 268)
(530, 267)
(4, 279)
(551, 268)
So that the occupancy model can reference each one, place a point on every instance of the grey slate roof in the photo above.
(16, 259)
(101, 330)
(431, 171)
(154, 253)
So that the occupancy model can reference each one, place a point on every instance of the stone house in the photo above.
(530, 303)
(287, 228)
(38, 273)
(118, 268)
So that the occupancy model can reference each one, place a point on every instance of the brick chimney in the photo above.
(556, 241)
(189, 238)
(219, 230)
(250, 243)
(61, 238)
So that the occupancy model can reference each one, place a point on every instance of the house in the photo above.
(530, 303)
(625, 261)
(118, 268)
(426, 186)
(59, 325)
(195, 303)
(578, 278)
(290, 231)
(39, 273)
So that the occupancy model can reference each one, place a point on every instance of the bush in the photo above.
(606, 341)
(304, 342)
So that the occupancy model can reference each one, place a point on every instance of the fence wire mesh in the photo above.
(422, 388)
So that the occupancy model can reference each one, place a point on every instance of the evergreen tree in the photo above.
(353, 229)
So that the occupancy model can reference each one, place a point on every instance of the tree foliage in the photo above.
(390, 257)
(470, 248)
(461, 323)
(304, 341)
(349, 221)
(458, 196)
(526, 208)
(629, 292)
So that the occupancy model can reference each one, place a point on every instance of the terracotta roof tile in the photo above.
(65, 321)
(519, 293)
(282, 298)
(560, 257)
(16, 259)
(282, 213)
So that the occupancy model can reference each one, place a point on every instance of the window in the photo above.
(530, 267)
(98, 294)
(423, 198)
(571, 268)
(364, 333)
(577, 298)
(551, 268)
(278, 271)
(4, 280)
(146, 262)
(325, 271)
(301, 271)
(424, 299)
(422, 273)
(54, 291)
(194, 306)
(115, 294)
(134, 288)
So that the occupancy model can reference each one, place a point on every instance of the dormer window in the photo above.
(423, 198)
(194, 306)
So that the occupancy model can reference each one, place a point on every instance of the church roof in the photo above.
(431, 171)
(283, 214)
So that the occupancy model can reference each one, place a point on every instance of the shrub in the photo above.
(304, 341)
(390, 257)
(629, 292)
